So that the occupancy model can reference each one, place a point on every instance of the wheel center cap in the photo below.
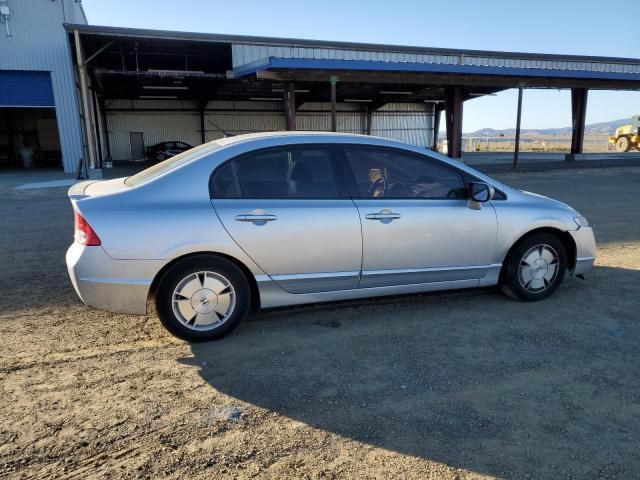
(204, 300)
(540, 268)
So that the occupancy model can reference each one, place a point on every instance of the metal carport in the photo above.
(262, 75)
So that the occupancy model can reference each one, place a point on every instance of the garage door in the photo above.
(25, 89)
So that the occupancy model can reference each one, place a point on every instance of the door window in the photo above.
(281, 173)
(389, 173)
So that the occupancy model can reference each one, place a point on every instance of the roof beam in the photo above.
(98, 52)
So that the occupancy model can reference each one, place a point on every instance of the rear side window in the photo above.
(300, 172)
(388, 173)
(169, 164)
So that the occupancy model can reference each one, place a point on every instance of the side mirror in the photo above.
(480, 192)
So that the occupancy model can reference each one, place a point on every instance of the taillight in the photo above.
(83, 233)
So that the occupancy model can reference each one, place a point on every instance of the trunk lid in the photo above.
(95, 188)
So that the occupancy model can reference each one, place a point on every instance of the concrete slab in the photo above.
(48, 184)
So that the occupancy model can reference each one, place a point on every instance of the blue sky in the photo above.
(586, 27)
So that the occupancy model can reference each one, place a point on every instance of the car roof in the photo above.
(301, 136)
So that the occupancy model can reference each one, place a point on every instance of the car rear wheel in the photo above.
(161, 157)
(202, 298)
(534, 268)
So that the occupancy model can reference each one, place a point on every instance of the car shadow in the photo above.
(469, 378)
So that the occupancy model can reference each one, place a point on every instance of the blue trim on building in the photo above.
(25, 89)
(365, 65)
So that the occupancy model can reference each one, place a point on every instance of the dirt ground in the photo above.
(457, 385)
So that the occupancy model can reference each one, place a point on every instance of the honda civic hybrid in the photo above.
(269, 220)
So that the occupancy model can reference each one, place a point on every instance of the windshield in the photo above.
(169, 164)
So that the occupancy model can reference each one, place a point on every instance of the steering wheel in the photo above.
(377, 187)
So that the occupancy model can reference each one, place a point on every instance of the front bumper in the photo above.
(115, 285)
(585, 249)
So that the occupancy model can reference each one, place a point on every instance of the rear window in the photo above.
(169, 164)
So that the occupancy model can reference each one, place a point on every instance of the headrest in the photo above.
(301, 173)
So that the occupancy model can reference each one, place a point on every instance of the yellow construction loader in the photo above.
(627, 136)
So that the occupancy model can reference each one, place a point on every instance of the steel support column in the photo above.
(96, 120)
(516, 151)
(202, 106)
(578, 117)
(290, 106)
(105, 126)
(203, 138)
(91, 154)
(363, 119)
(334, 117)
(453, 107)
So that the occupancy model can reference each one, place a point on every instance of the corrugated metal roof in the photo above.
(332, 45)
(547, 69)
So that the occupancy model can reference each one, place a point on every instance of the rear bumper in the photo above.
(115, 285)
(585, 250)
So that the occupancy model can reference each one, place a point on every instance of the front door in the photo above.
(284, 208)
(416, 225)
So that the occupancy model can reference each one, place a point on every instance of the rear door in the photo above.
(416, 224)
(285, 209)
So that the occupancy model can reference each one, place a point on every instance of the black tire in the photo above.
(190, 267)
(623, 144)
(161, 157)
(512, 279)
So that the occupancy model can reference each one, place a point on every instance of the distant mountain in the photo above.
(603, 128)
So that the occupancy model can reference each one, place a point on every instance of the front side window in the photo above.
(300, 172)
(388, 173)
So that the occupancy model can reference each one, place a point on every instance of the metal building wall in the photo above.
(247, 54)
(166, 120)
(243, 117)
(158, 120)
(315, 116)
(48, 50)
(407, 122)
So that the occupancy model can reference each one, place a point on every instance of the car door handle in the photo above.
(256, 217)
(384, 214)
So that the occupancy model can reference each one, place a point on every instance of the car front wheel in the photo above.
(534, 268)
(202, 298)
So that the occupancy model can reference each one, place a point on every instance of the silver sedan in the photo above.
(267, 220)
